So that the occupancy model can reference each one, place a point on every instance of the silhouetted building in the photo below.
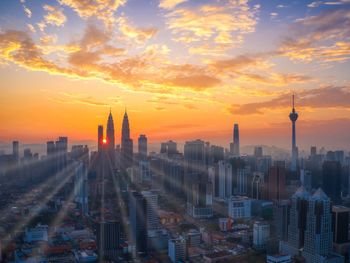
(331, 173)
(340, 224)
(258, 151)
(110, 140)
(108, 239)
(142, 144)
(234, 147)
(126, 144)
(15, 150)
(276, 182)
(100, 137)
(138, 221)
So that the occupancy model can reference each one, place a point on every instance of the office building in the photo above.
(234, 146)
(177, 249)
(261, 235)
(108, 239)
(15, 150)
(225, 179)
(276, 182)
(151, 210)
(142, 144)
(138, 224)
(239, 207)
(278, 258)
(331, 174)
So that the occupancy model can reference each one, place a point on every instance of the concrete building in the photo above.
(239, 207)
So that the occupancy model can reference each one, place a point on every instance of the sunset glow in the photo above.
(184, 69)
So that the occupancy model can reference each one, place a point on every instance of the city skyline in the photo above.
(58, 56)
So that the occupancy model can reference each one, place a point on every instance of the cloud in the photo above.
(140, 35)
(54, 15)
(103, 10)
(27, 11)
(31, 28)
(328, 97)
(319, 3)
(170, 4)
(223, 23)
(323, 37)
(71, 98)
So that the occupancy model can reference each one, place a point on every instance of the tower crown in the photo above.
(293, 116)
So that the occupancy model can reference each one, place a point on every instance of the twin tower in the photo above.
(108, 143)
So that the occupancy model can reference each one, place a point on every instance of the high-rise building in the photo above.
(225, 179)
(318, 244)
(177, 249)
(15, 150)
(99, 137)
(126, 144)
(257, 188)
(234, 147)
(199, 188)
(306, 179)
(310, 228)
(110, 139)
(297, 222)
(258, 151)
(239, 207)
(278, 258)
(145, 171)
(151, 210)
(138, 224)
(108, 239)
(313, 150)
(276, 182)
(261, 234)
(281, 211)
(293, 116)
(81, 187)
(331, 173)
(142, 144)
(340, 223)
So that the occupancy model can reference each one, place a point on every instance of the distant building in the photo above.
(331, 174)
(306, 179)
(234, 147)
(142, 144)
(145, 171)
(239, 207)
(276, 182)
(15, 150)
(261, 235)
(177, 250)
(126, 144)
(258, 151)
(225, 179)
(340, 227)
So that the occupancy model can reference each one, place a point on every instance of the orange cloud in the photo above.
(101, 9)
(140, 35)
(54, 15)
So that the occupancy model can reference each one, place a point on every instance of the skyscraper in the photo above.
(142, 144)
(138, 221)
(108, 239)
(126, 143)
(110, 141)
(293, 116)
(331, 173)
(276, 182)
(199, 189)
(99, 137)
(234, 147)
(15, 150)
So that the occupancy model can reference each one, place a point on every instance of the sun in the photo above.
(104, 141)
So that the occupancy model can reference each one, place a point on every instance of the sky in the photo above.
(183, 69)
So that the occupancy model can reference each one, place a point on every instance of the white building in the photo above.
(177, 249)
(261, 235)
(239, 207)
